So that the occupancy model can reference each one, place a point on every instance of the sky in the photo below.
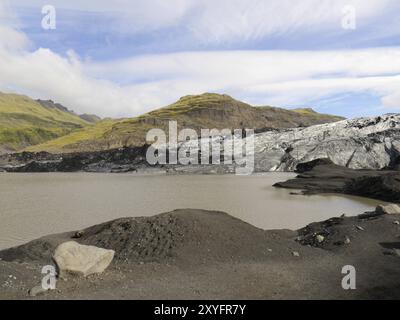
(123, 58)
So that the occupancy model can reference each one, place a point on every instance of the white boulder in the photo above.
(388, 209)
(72, 257)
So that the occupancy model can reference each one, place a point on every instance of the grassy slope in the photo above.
(66, 142)
(202, 111)
(24, 122)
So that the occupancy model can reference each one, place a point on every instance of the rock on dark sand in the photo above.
(195, 254)
(322, 176)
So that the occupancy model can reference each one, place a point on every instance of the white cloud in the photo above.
(393, 99)
(44, 74)
(228, 21)
(284, 77)
(132, 86)
(236, 20)
(10, 38)
(280, 77)
(130, 15)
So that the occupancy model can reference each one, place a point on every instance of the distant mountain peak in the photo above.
(206, 99)
(51, 104)
(205, 96)
(92, 118)
(306, 110)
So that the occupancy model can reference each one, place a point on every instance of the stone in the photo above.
(360, 228)
(396, 222)
(347, 240)
(320, 238)
(72, 257)
(388, 209)
(38, 290)
(78, 234)
(370, 215)
(295, 254)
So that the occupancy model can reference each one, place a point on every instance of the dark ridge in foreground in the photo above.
(176, 234)
(322, 176)
(196, 254)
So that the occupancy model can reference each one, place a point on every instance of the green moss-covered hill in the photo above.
(25, 122)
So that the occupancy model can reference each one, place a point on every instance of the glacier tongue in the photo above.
(361, 143)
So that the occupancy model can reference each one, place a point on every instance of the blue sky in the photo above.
(123, 58)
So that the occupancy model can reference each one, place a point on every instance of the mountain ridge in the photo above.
(208, 110)
(91, 118)
(368, 143)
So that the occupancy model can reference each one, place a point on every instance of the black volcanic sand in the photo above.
(195, 254)
(322, 176)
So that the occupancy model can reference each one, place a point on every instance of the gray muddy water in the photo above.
(34, 205)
